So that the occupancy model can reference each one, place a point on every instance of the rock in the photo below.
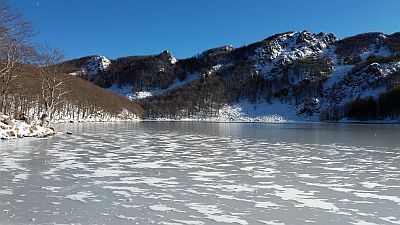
(44, 120)
(33, 128)
(11, 133)
(8, 121)
(20, 116)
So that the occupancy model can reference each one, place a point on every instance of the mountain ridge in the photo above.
(311, 74)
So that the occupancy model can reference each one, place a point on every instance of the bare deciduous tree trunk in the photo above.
(14, 32)
(52, 78)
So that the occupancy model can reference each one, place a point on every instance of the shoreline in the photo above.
(21, 129)
(393, 122)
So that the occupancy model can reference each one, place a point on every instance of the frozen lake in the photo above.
(203, 173)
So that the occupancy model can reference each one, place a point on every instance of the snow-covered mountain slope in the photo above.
(91, 65)
(289, 47)
(309, 74)
(368, 81)
(377, 48)
(97, 64)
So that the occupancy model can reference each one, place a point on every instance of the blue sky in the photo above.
(116, 28)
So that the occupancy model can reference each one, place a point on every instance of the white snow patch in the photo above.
(391, 219)
(306, 199)
(108, 172)
(190, 222)
(381, 197)
(271, 222)
(265, 205)
(213, 213)
(274, 112)
(362, 222)
(376, 48)
(173, 60)
(161, 207)
(339, 72)
(80, 196)
(6, 192)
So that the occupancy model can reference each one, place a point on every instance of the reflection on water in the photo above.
(203, 173)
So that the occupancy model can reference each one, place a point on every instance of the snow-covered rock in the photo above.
(96, 64)
(369, 81)
(289, 47)
(173, 60)
(168, 56)
(10, 128)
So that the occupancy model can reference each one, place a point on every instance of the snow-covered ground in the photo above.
(376, 48)
(95, 119)
(10, 128)
(245, 111)
(261, 112)
(100, 116)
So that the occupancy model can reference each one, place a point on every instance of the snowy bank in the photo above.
(10, 128)
(100, 116)
(244, 111)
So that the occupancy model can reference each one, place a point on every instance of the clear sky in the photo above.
(116, 28)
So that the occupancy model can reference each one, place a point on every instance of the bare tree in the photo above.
(13, 26)
(53, 78)
(14, 32)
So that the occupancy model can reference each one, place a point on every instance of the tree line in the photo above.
(386, 106)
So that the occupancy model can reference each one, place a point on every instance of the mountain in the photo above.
(288, 76)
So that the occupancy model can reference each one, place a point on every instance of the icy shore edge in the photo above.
(12, 129)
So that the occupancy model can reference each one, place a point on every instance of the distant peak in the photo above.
(166, 52)
(168, 55)
(97, 64)
(305, 31)
(304, 35)
(229, 48)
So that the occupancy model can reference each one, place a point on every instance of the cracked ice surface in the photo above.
(203, 173)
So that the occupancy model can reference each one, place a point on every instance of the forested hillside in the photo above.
(74, 100)
(292, 75)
